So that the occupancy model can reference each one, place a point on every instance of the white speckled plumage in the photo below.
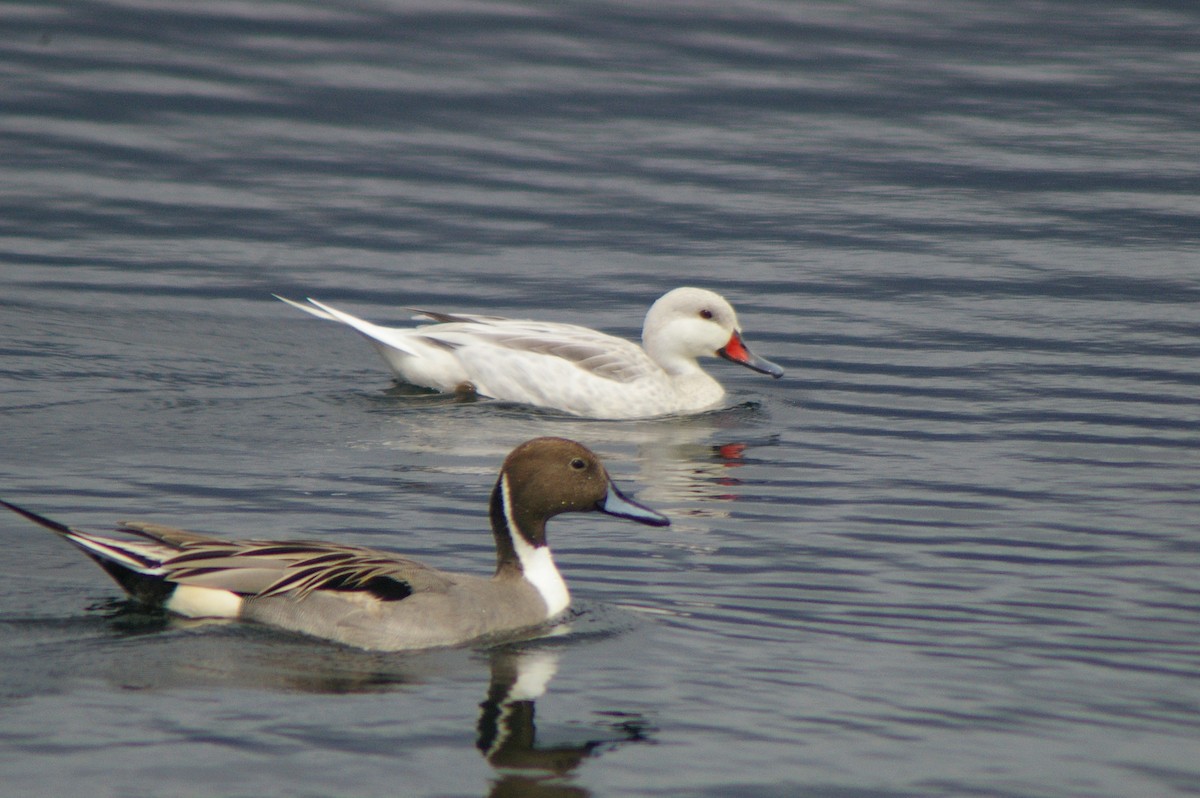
(567, 367)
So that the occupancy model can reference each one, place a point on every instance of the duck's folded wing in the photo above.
(594, 352)
(259, 569)
(169, 535)
(457, 318)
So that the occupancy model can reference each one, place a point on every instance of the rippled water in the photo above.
(953, 552)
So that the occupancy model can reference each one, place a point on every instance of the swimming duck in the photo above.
(366, 597)
(566, 367)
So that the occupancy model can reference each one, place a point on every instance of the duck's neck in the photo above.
(687, 378)
(521, 549)
(670, 361)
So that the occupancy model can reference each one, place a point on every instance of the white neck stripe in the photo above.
(537, 564)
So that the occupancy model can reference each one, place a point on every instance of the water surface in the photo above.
(952, 552)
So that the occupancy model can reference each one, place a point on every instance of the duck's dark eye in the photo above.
(706, 314)
(578, 464)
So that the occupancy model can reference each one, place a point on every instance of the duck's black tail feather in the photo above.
(49, 523)
(123, 565)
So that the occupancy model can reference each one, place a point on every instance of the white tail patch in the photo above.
(191, 601)
(536, 562)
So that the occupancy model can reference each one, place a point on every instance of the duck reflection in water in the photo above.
(507, 735)
(237, 657)
(690, 466)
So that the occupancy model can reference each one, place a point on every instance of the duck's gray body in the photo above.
(365, 597)
(466, 608)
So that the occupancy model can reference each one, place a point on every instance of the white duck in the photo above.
(567, 367)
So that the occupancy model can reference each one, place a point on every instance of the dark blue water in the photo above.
(953, 552)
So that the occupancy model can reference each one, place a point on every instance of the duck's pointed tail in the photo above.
(49, 523)
(310, 309)
(393, 338)
(134, 564)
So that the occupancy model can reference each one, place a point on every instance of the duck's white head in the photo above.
(689, 323)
